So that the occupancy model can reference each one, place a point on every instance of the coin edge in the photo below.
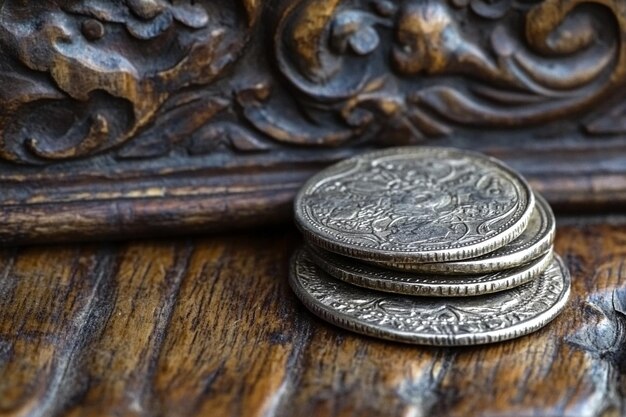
(350, 324)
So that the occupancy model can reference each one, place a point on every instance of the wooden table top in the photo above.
(209, 327)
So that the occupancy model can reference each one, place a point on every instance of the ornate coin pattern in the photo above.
(376, 278)
(534, 242)
(414, 204)
(432, 321)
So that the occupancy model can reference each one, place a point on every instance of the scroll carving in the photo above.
(431, 68)
(83, 77)
(138, 78)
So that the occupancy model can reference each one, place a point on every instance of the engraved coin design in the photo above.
(414, 204)
(369, 276)
(534, 241)
(432, 321)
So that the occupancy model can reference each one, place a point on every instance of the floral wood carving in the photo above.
(140, 78)
(429, 68)
(154, 115)
(87, 76)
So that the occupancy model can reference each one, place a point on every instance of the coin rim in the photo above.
(372, 330)
(371, 277)
(487, 263)
(425, 256)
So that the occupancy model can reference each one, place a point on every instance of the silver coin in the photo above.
(534, 242)
(432, 321)
(414, 204)
(376, 278)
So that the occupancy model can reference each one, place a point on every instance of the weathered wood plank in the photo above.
(208, 326)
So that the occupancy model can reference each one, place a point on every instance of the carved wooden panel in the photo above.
(143, 116)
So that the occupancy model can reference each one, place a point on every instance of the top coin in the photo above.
(414, 204)
(534, 242)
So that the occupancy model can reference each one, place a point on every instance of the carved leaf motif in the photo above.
(175, 124)
(209, 138)
(143, 19)
(613, 122)
(285, 122)
(166, 46)
(28, 88)
(562, 61)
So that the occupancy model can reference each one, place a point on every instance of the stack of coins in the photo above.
(426, 245)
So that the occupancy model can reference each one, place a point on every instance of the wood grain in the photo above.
(209, 327)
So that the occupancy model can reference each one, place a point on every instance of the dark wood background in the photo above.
(147, 117)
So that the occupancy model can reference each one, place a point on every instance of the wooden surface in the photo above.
(145, 117)
(208, 327)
